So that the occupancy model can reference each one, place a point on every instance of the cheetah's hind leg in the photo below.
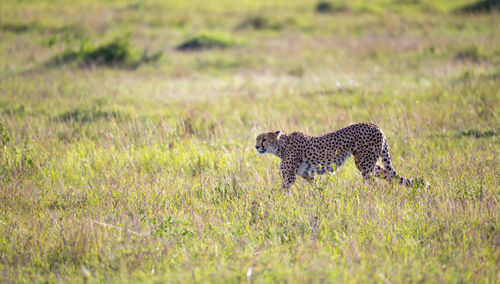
(338, 161)
(366, 164)
(380, 172)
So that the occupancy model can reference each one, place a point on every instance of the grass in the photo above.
(149, 174)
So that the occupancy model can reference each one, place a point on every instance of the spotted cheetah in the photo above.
(306, 155)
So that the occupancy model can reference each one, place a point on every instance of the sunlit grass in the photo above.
(111, 173)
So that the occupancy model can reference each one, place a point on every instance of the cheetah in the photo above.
(306, 155)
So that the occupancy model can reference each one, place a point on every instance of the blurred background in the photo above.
(106, 54)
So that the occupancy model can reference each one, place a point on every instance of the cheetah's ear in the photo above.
(278, 134)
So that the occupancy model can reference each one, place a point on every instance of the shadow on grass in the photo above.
(485, 6)
(476, 133)
(94, 111)
(86, 115)
(471, 53)
(15, 27)
(468, 133)
(19, 27)
(260, 23)
(64, 32)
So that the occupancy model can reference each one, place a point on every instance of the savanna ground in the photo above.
(127, 140)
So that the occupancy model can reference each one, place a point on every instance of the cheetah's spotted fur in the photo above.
(306, 155)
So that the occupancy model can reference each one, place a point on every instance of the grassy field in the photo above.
(127, 140)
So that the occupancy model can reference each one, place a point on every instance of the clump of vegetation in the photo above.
(4, 135)
(117, 52)
(297, 70)
(472, 53)
(66, 35)
(485, 6)
(207, 41)
(15, 27)
(260, 23)
(330, 8)
(14, 110)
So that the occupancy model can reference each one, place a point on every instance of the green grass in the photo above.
(142, 168)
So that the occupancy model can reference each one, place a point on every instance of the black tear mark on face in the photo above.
(263, 149)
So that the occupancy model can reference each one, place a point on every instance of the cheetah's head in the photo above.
(268, 142)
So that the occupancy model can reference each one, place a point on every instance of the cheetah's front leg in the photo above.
(288, 180)
(288, 169)
(309, 176)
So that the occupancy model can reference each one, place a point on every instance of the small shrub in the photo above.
(330, 8)
(485, 6)
(409, 2)
(4, 135)
(135, 6)
(260, 23)
(116, 51)
(472, 53)
(15, 110)
(207, 41)
(323, 7)
(297, 71)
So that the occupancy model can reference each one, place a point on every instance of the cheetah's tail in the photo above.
(391, 173)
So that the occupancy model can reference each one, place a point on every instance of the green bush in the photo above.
(4, 135)
(327, 7)
(484, 6)
(207, 41)
(118, 52)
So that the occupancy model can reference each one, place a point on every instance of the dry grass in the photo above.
(117, 174)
